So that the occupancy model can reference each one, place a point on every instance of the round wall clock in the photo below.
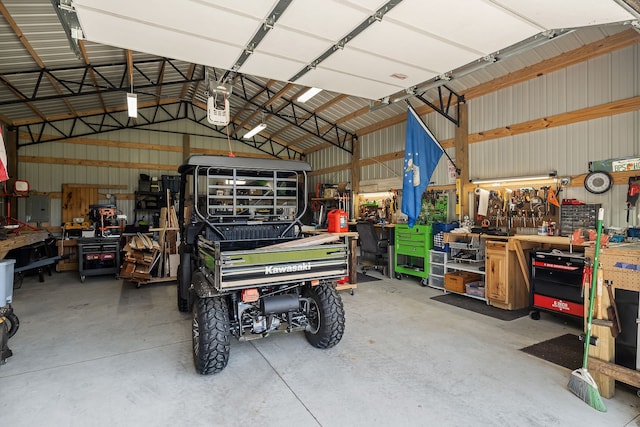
(598, 182)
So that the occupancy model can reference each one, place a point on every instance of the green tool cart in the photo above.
(412, 247)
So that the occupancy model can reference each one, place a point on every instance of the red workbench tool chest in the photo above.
(556, 283)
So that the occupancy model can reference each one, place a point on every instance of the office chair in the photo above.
(371, 246)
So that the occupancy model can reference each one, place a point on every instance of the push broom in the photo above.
(581, 382)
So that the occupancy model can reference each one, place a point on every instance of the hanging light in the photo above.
(548, 176)
(132, 100)
(309, 94)
(132, 104)
(262, 126)
(255, 130)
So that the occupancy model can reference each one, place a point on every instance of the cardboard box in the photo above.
(456, 281)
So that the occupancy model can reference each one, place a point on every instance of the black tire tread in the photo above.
(332, 316)
(214, 335)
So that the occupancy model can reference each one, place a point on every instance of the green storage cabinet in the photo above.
(412, 247)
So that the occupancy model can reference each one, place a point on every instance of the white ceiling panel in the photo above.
(357, 63)
(326, 19)
(253, 8)
(370, 5)
(154, 40)
(417, 38)
(475, 24)
(568, 13)
(198, 19)
(411, 47)
(261, 64)
(345, 83)
(293, 45)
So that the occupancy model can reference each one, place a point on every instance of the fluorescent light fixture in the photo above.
(309, 94)
(551, 175)
(132, 104)
(375, 194)
(255, 130)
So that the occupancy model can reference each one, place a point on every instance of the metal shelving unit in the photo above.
(467, 255)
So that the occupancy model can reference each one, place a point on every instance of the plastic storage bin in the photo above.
(436, 282)
(6, 277)
(475, 289)
(437, 269)
(438, 257)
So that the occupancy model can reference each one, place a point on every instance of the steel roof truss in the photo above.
(83, 84)
(268, 145)
(344, 139)
(444, 105)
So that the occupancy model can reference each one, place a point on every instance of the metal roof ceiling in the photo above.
(271, 51)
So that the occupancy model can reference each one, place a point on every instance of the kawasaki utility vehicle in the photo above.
(245, 268)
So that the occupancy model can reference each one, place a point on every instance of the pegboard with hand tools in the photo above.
(518, 210)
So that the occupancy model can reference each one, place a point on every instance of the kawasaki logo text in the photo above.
(291, 268)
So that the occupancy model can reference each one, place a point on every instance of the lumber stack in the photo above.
(148, 260)
(140, 258)
(168, 242)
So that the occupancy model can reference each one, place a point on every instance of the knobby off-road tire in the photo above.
(211, 335)
(185, 296)
(326, 317)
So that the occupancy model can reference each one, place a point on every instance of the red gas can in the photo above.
(337, 221)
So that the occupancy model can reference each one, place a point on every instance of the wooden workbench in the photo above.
(23, 238)
(620, 264)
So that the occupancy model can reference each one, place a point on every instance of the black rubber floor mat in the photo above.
(479, 306)
(366, 278)
(565, 350)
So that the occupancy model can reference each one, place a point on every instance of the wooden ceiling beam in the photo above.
(7, 16)
(247, 105)
(321, 108)
(282, 92)
(185, 87)
(36, 58)
(268, 103)
(92, 74)
(30, 105)
(128, 56)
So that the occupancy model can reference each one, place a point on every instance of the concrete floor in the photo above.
(104, 353)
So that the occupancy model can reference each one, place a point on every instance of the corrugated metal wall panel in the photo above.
(543, 97)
